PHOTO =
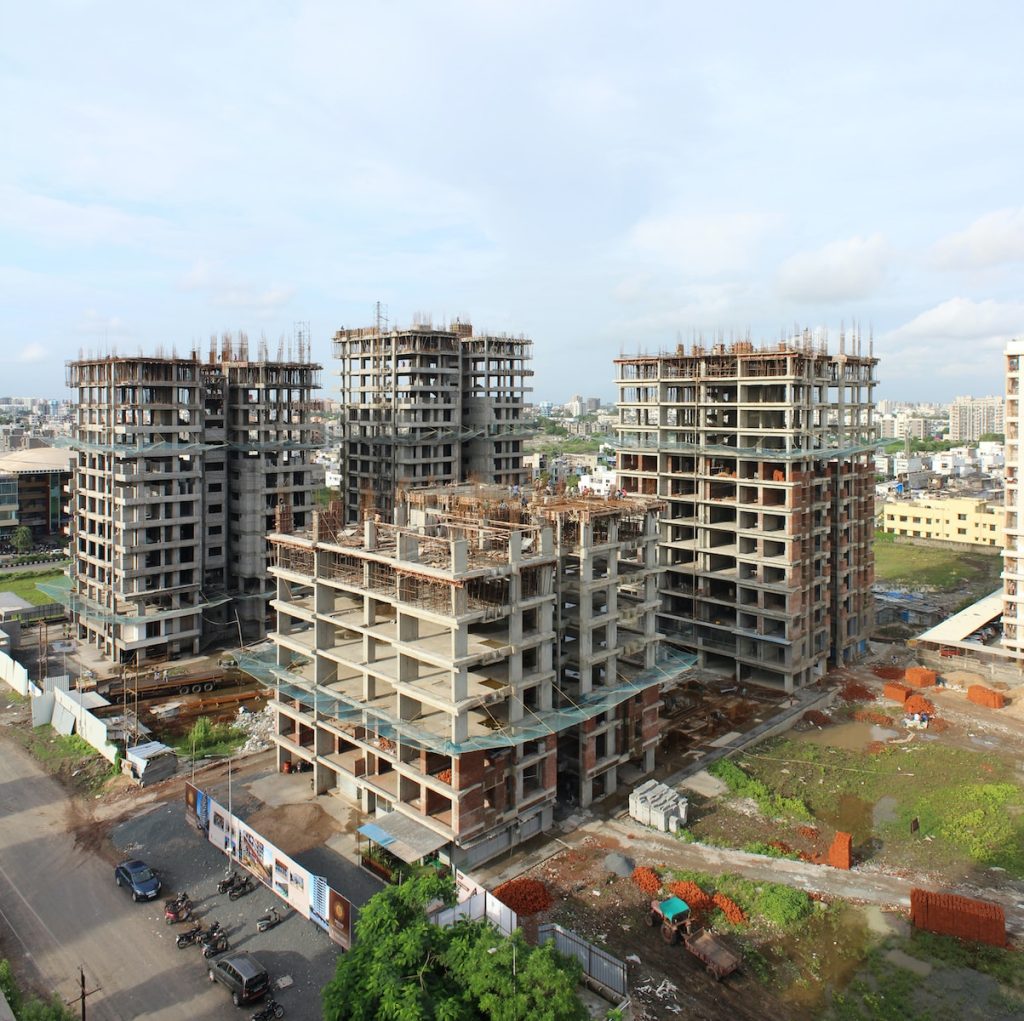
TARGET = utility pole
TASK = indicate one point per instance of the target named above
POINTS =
(83, 992)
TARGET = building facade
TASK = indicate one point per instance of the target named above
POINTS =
(1013, 548)
(32, 482)
(952, 520)
(179, 464)
(970, 418)
(473, 663)
(428, 406)
(764, 458)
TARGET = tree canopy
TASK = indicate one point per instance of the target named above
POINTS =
(402, 967)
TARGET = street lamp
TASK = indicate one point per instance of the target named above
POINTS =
(494, 950)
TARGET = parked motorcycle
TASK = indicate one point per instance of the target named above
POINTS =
(186, 939)
(240, 889)
(271, 1008)
(228, 882)
(215, 944)
(269, 920)
(182, 898)
(175, 912)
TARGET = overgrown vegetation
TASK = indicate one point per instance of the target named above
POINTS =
(931, 567)
(209, 738)
(971, 804)
(884, 990)
(402, 966)
(767, 800)
(30, 1008)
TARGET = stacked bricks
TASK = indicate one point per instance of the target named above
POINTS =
(980, 695)
(896, 691)
(952, 915)
(919, 677)
(840, 854)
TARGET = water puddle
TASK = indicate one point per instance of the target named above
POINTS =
(854, 736)
(852, 815)
(827, 952)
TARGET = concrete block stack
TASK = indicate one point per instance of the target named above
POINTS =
(654, 804)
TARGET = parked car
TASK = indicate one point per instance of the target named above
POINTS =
(138, 877)
(243, 975)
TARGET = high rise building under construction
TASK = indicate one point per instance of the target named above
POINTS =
(427, 406)
(763, 457)
(179, 466)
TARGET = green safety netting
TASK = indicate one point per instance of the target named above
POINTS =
(537, 725)
(60, 592)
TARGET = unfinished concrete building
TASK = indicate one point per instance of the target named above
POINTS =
(1013, 548)
(459, 671)
(763, 457)
(179, 465)
(428, 406)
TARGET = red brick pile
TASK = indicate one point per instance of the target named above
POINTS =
(699, 902)
(896, 691)
(732, 911)
(524, 896)
(919, 677)
(445, 776)
(918, 704)
(807, 832)
(840, 854)
(647, 879)
(980, 695)
(951, 915)
(854, 692)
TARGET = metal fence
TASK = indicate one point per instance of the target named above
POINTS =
(479, 905)
(597, 964)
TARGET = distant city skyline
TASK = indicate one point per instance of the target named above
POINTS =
(604, 181)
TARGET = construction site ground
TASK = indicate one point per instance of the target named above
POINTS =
(855, 956)
(855, 943)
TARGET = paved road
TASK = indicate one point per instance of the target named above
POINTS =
(59, 908)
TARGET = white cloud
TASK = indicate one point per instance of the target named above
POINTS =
(33, 354)
(841, 271)
(94, 324)
(989, 241)
(61, 221)
(225, 290)
(700, 246)
(959, 338)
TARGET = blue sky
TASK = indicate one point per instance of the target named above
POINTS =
(600, 176)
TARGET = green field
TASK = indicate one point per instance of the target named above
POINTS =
(920, 567)
(23, 584)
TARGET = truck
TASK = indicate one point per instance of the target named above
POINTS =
(158, 683)
(677, 924)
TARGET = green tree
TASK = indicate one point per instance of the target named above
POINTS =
(30, 1008)
(404, 968)
(22, 538)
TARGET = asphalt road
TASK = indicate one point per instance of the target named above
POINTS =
(60, 909)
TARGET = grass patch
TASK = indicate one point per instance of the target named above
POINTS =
(769, 850)
(918, 567)
(981, 824)
(23, 584)
(1006, 966)
(70, 757)
(207, 738)
(744, 786)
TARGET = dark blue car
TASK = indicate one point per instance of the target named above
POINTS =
(139, 878)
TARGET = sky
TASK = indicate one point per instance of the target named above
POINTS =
(604, 178)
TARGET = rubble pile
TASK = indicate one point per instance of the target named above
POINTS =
(524, 896)
(258, 728)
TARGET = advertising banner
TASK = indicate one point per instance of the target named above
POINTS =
(340, 919)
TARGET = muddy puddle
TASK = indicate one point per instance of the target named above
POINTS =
(830, 949)
(854, 736)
